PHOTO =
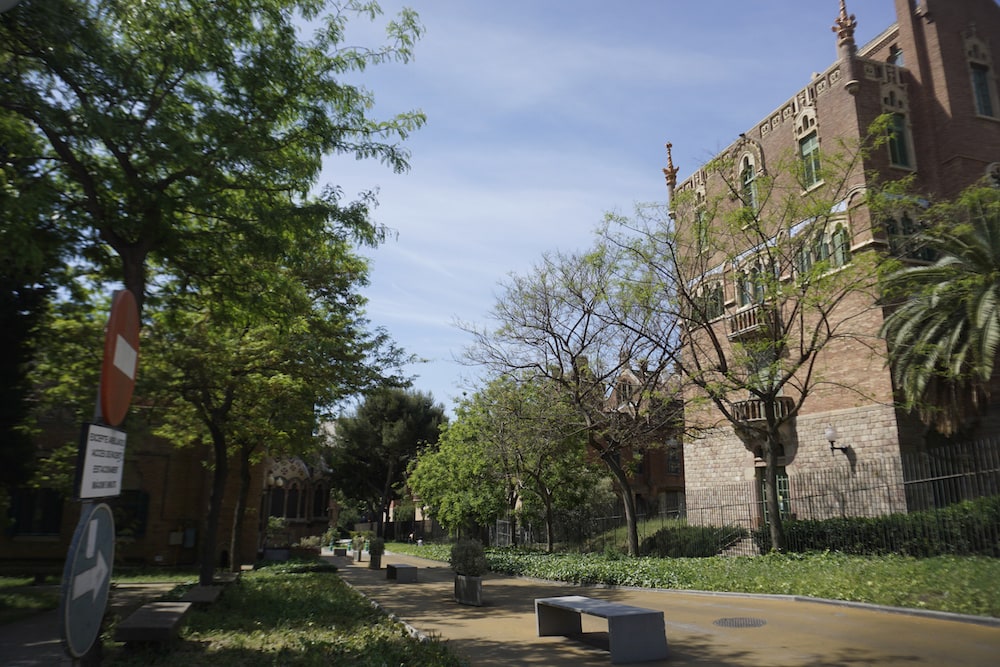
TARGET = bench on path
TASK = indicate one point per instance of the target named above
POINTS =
(340, 551)
(202, 595)
(634, 634)
(404, 574)
(153, 622)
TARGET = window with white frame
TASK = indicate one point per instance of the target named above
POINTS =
(748, 182)
(807, 135)
(982, 75)
(832, 247)
(752, 282)
(895, 102)
(899, 150)
(710, 301)
(809, 152)
(840, 246)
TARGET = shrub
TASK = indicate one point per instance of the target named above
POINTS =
(468, 558)
(968, 528)
(691, 541)
(376, 547)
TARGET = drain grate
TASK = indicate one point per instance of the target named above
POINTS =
(740, 622)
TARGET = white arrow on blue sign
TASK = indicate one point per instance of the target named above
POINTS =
(87, 578)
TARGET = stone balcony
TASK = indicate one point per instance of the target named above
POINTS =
(752, 410)
(751, 321)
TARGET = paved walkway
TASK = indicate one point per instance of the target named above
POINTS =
(35, 641)
(702, 629)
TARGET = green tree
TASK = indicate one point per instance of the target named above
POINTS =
(943, 330)
(374, 446)
(33, 243)
(460, 487)
(251, 373)
(162, 119)
(511, 443)
(574, 323)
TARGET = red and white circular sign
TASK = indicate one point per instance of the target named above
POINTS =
(121, 358)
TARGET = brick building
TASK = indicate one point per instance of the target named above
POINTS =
(160, 514)
(934, 73)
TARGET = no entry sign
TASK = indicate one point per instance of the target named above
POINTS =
(121, 357)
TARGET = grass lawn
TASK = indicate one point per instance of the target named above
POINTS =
(962, 585)
(19, 599)
(288, 615)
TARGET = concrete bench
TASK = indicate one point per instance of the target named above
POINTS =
(340, 551)
(202, 595)
(634, 634)
(404, 574)
(153, 622)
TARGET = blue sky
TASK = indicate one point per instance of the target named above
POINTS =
(543, 115)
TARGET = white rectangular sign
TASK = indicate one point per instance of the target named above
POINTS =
(103, 462)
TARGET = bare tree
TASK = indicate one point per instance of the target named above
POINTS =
(760, 274)
(577, 322)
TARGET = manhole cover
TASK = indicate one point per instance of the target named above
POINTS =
(741, 622)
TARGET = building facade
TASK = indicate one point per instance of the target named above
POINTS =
(932, 78)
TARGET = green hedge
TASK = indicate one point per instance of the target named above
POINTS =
(691, 541)
(969, 528)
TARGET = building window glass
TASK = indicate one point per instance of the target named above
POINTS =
(710, 301)
(899, 152)
(981, 89)
(748, 178)
(131, 510)
(841, 246)
(277, 502)
(35, 512)
(809, 151)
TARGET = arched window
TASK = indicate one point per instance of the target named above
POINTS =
(841, 243)
(293, 509)
(744, 288)
(748, 179)
(277, 502)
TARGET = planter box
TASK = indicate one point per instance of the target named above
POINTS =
(305, 553)
(469, 590)
(339, 551)
(277, 553)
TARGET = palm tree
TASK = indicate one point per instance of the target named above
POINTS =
(944, 333)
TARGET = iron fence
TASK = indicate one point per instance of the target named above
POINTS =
(916, 482)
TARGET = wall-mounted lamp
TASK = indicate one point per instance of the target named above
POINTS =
(275, 481)
(831, 437)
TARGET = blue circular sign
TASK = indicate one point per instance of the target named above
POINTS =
(87, 578)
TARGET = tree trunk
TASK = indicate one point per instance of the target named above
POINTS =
(206, 569)
(775, 527)
(239, 514)
(549, 524)
(629, 501)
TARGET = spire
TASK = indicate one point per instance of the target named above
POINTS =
(844, 27)
(846, 47)
(670, 171)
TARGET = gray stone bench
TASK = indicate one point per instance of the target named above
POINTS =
(634, 634)
(340, 551)
(153, 622)
(404, 574)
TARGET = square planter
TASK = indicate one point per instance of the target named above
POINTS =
(469, 590)
(277, 553)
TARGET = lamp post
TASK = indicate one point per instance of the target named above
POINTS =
(831, 437)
